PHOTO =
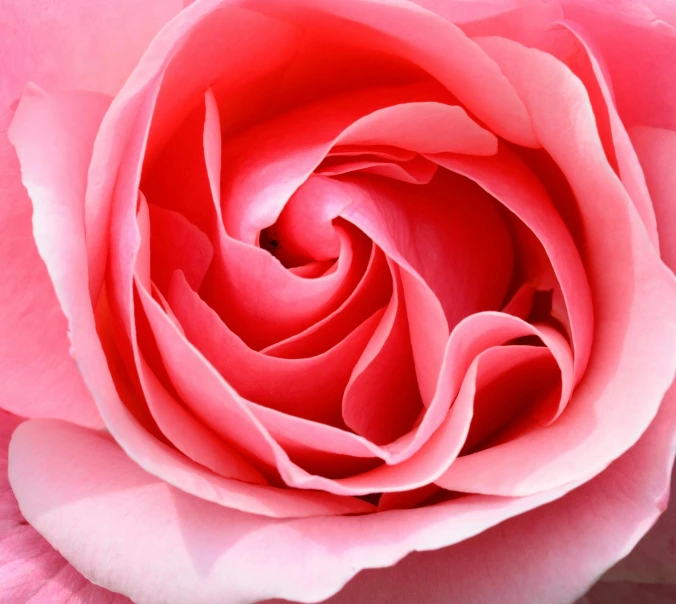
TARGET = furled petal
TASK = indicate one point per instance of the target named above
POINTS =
(633, 356)
(369, 295)
(552, 554)
(382, 399)
(59, 230)
(311, 387)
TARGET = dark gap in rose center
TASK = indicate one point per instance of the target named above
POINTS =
(271, 240)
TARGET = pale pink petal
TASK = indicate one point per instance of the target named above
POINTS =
(552, 554)
(653, 560)
(78, 45)
(598, 82)
(89, 500)
(632, 362)
(636, 46)
(53, 135)
(656, 149)
(31, 570)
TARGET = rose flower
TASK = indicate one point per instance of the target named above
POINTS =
(366, 300)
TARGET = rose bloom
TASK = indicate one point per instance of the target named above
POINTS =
(357, 300)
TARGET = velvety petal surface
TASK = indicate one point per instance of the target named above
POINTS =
(31, 570)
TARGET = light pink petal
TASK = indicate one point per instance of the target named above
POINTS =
(59, 231)
(656, 149)
(551, 554)
(613, 133)
(632, 362)
(636, 46)
(653, 560)
(453, 130)
(89, 500)
(512, 183)
(80, 45)
(53, 135)
(31, 570)
(526, 21)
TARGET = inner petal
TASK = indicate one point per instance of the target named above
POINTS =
(382, 399)
(311, 388)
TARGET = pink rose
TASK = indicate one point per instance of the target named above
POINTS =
(325, 294)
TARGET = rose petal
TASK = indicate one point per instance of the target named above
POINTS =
(382, 400)
(613, 135)
(416, 171)
(176, 244)
(53, 135)
(656, 149)
(552, 554)
(632, 359)
(369, 295)
(434, 44)
(89, 500)
(636, 47)
(30, 569)
(311, 388)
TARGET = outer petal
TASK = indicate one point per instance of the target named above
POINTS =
(54, 160)
(72, 44)
(550, 554)
(31, 570)
(133, 533)
(638, 48)
(656, 149)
